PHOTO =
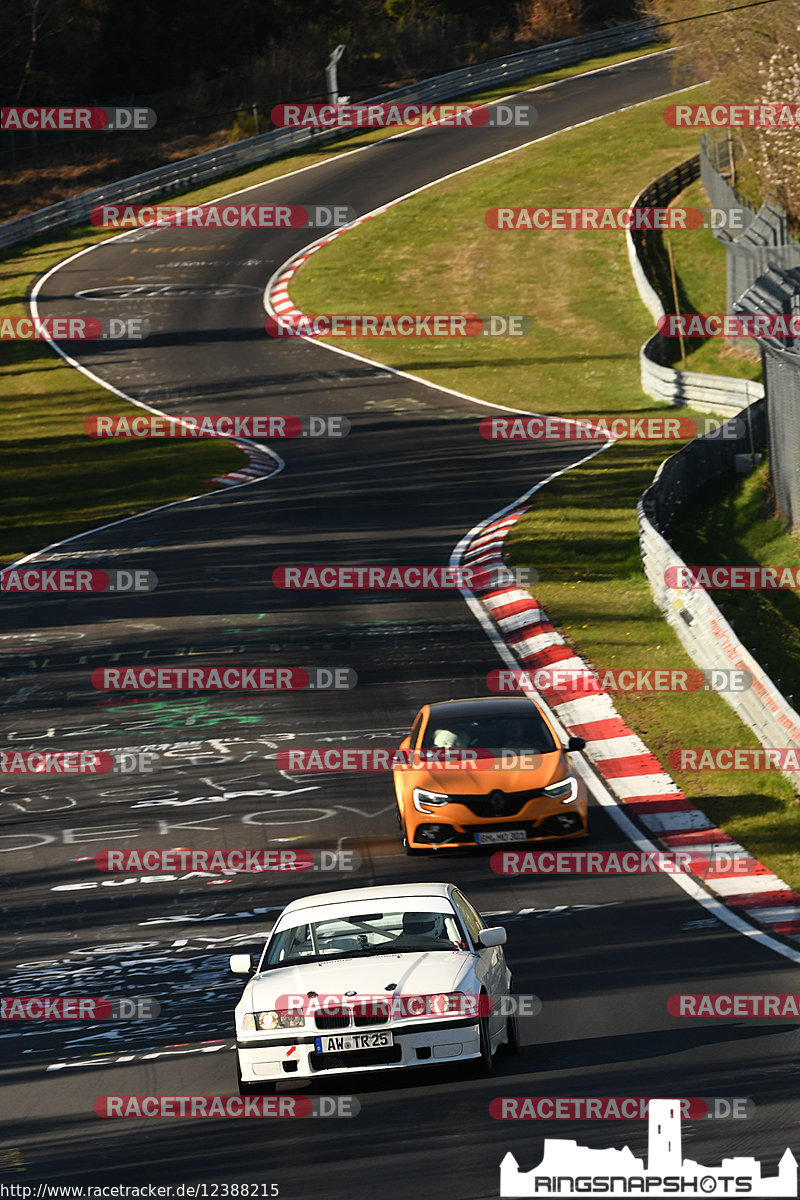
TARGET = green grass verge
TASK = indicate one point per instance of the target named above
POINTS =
(430, 254)
(700, 278)
(59, 482)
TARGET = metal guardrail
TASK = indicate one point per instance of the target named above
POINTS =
(709, 639)
(215, 164)
(700, 461)
(721, 395)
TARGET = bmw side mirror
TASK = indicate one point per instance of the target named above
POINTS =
(242, 964)
(575, 743)
(494, 936)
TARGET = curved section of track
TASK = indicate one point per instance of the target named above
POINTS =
(603, 956)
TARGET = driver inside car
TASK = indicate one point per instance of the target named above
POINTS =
(422, 928)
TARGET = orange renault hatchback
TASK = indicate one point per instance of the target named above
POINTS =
(486, 772)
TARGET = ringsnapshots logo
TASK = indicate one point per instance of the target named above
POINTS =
(145, 425)
(568, 1170)
(405, 325)
(226, 861)
(403, 115)
(604, 218)
(76, 580)
(223, 679)
(222, 216)
(75, 120)
(538, 428)
(74, 329)
(203, 1107)
(572, 681)
(318, 577)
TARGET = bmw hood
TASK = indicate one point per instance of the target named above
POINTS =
(414, 973)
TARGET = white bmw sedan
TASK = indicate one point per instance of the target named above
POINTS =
(372, 979)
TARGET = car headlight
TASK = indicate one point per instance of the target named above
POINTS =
(272, 1019)
(448, 1004)
(422, 797)
(444, 1004)
(565, 790)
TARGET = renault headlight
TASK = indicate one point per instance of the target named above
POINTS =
(423, 797)
(565, 790)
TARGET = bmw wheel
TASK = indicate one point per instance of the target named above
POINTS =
(485, 1062)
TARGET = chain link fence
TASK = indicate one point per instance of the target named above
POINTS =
(777, 291)
(718, 394)
(763, 277)
(764, 240)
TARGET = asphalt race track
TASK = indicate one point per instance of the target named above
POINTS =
(603, 955)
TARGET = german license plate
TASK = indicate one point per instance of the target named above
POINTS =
(501, 835)
(336, 1042)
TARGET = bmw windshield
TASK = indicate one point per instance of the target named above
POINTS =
(363, 936)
